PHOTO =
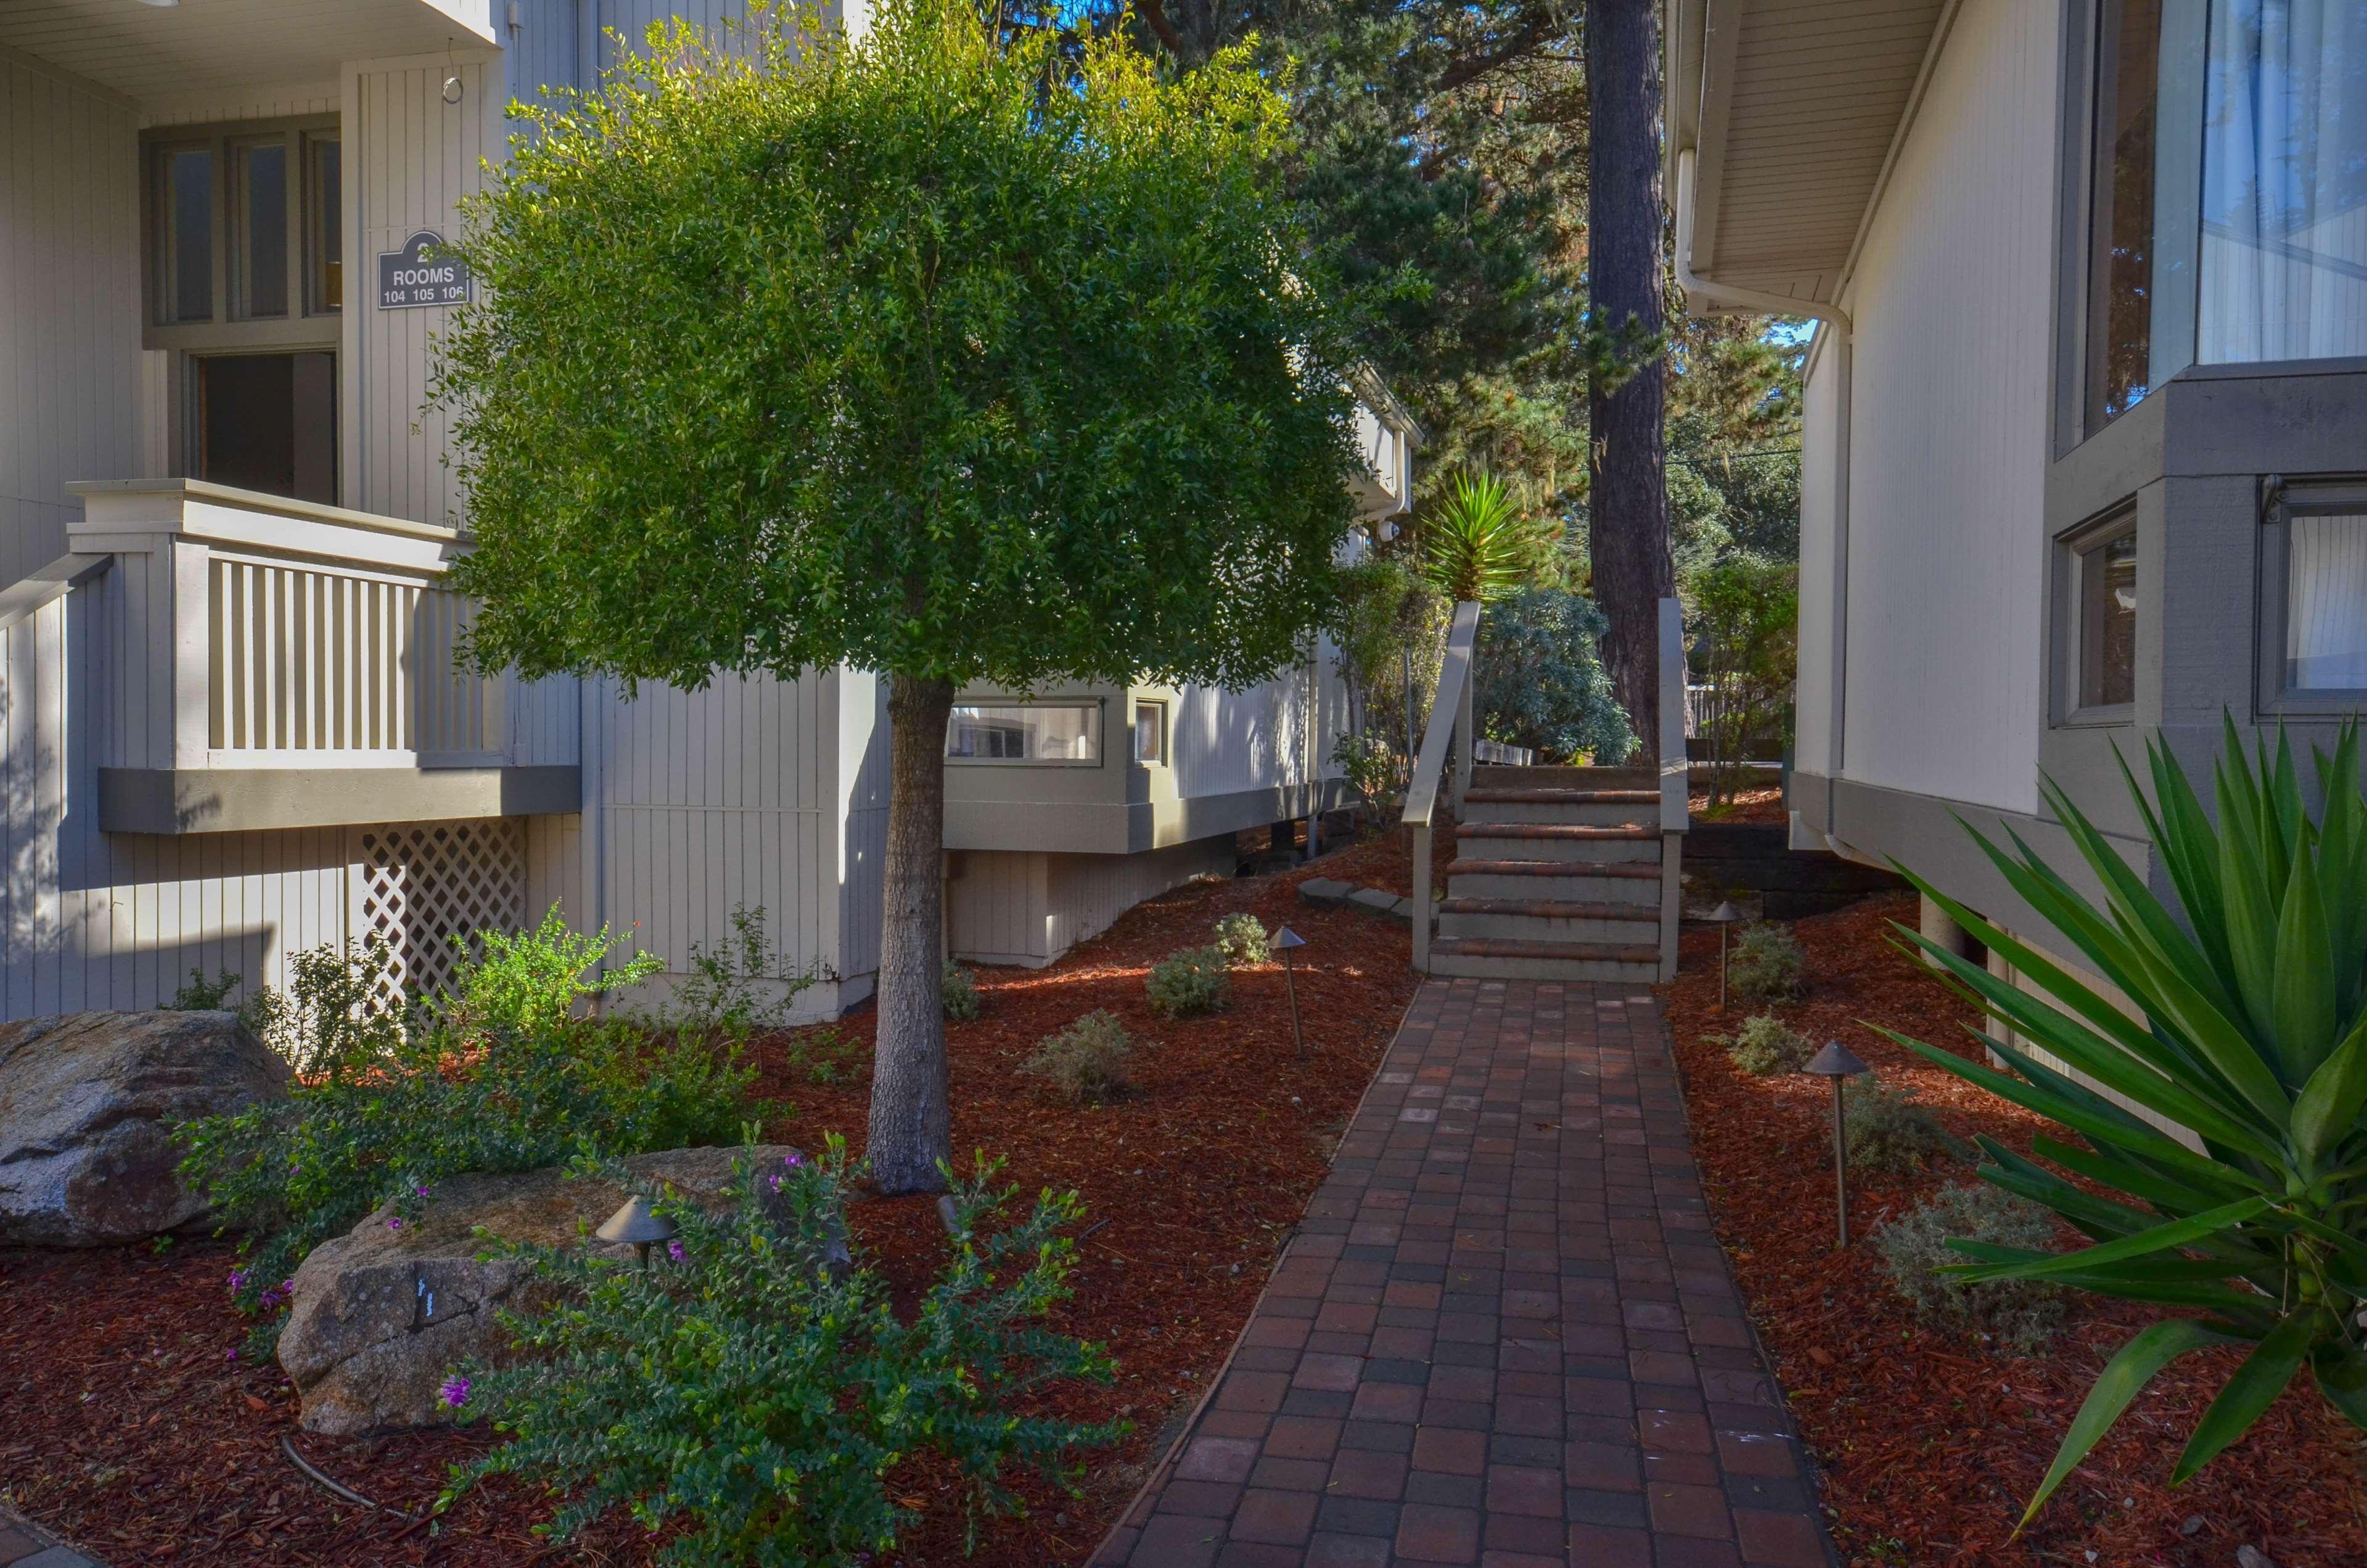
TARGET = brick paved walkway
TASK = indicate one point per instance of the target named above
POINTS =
(1503, 1336)
(23, 1545)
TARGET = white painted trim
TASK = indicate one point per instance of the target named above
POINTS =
(1941, 28)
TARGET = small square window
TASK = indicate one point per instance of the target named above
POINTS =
(1066, 732)
(2107, 577)
(1150, 732)
(2325, 601)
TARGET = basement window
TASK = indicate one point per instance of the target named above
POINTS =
(1059, 734)
(2105, 575)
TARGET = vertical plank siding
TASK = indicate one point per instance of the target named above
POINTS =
(1947, 517)
(70, 303)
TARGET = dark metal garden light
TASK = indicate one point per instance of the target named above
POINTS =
(1282, 942)
(1837, 1062)
(1724, 916)
(638, 1223)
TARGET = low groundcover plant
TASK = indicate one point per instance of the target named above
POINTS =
(752, 1398)
(2253, 992)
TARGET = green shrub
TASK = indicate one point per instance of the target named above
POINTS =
(203, 996)
(961, 991)
(2019, 1316)
(753, 1398)
(1767, 964)
(1085, 1061)
(499, 1074)
(1886, 1131)
(1766, 1044)
(1241, 938)
(824, 1054)
(1188, 983)
(740, 985)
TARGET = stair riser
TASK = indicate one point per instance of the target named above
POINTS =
(1579, 969)
(1475, 844)
(1588, 813)
(1642, 931)
(1575, 888)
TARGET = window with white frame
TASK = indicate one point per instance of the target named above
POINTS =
(1150, 732)
(1066, 734)
(2313, 598)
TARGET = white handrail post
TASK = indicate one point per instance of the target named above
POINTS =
(1421, 898)
(1676, 801)
(1463, 732)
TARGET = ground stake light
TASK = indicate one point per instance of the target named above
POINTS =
(1282, 942)
(638, 1223)
(1724, 916)
(1837, 1062)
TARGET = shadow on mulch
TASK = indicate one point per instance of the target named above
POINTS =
(130, 1430)
(1931, 1443)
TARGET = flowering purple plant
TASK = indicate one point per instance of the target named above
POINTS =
(420, 1191)
(455, 1392)
(674, 1250)
(394, 1223)
(238, 1278)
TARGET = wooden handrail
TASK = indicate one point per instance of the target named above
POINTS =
(1675, 783)
(1450, 723)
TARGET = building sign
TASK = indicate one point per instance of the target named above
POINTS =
(413, 276)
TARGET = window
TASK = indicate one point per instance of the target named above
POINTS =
(324, 246)
(2105, 574)
(1025, 731)
(1151, 731)
(2227, 190)
(2313, 599)
(2127, 105)
(262, 198)
(185, 227)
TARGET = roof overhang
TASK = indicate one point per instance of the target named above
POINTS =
(143, 51)
(1792, 110)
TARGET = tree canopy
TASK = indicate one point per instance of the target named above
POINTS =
(794, 352)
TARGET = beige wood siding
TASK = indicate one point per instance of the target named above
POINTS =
(1820, 445)
(1949, 436)
(70, 303)
(1028, 909)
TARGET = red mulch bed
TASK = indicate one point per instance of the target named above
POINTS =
(1764, 804)
(1930, 1443)
(129, 1431)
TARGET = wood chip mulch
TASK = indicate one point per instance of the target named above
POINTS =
(1930, 1441)
(130, 1430)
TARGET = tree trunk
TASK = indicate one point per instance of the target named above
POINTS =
(912, 1121)
(1628, 510)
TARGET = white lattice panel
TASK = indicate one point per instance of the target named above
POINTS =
(420, 884)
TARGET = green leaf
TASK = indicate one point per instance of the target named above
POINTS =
(2304, 993)
(2328, 1106)
(2159, 1238)
(2123, 1378)
(2341, 1377)
(2252, 1389)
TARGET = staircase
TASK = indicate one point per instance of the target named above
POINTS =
(1557, 875)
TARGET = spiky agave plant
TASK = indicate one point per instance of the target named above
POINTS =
(1477, 546)
(2254, 995)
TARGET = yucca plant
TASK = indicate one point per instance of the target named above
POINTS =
(1476, 545)
(2254, 993)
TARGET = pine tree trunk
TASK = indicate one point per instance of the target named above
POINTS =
(911, 1124)
(1628, 509)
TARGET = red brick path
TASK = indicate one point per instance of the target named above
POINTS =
(1503, 1336)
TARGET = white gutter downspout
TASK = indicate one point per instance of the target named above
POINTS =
(1720, 295)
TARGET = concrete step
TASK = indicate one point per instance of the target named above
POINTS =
(1550, 920)
(1497, 776)
(1616, 882)
(1586, 808)
(1499, 959)
(1558, 841)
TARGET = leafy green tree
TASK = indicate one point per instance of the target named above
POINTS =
(1746, 633)
(952, 360)
(2249, 1031)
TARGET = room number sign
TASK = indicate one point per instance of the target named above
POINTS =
(416, 274)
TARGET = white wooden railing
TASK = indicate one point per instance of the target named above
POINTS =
(250, 631)
(1450, 724)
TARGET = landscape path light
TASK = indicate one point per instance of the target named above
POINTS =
(638, 1223)
(1837, 1062)
(1283, 941)
(1724, 916)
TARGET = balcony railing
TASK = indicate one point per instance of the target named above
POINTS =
(245, 635)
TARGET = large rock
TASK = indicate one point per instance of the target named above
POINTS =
(88, 1102)
(382, 1315)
